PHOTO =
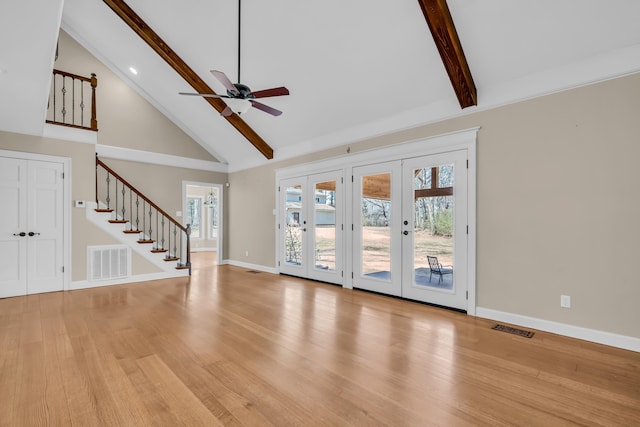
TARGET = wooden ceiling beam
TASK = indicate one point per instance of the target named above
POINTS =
(444, 33)
(147, 34)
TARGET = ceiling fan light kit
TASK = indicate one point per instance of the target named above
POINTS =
(239, 97)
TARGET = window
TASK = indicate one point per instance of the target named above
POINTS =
(194, 216)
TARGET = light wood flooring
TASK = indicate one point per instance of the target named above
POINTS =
(231, 347)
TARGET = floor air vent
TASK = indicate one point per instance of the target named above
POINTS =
(108, 262)
(514, 331)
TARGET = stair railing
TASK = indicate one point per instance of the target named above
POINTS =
(142, 216)
(68, 98)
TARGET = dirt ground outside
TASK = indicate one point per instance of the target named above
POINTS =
(376, 247)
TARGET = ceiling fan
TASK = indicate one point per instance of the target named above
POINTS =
(238, 91)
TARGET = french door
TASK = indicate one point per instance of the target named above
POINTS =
(31, 226)
(410, 221)
(311, 227)
(377, 213)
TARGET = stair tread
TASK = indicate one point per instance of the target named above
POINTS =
(132, 231)
(118, 221)
(171, 259)
(182, 267)
(104, 210)
(146, 241)
(158, 251)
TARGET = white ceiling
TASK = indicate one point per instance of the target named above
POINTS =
(355, 69)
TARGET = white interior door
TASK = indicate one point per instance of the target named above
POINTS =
(376, 228)
(32, 226)
(13, 227)
(45, 227)
(435, 227)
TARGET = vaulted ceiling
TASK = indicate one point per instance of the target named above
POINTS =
(355, 69)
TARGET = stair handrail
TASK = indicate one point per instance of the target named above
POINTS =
(93, 82)
(186, 230)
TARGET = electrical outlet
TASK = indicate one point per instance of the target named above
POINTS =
(246, 253)
(565, 301)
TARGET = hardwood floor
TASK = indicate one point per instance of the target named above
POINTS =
(231, 347)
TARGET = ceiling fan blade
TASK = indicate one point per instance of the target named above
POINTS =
(222, 78)
(204, 95)
(265, 108)
(276, 91)
(226, 112)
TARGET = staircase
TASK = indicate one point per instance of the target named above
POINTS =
(133, 219)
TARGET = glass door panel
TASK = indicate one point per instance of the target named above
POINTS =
(326, 227)
(434, 245)
(376, 213)
(293, 227)
(311, 227)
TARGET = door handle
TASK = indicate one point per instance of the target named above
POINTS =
(22, 234)
(405, 232)
(31, 233)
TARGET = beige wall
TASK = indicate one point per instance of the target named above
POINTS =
(83, 232)
(125, 119)
(557, 209)
(163, 184)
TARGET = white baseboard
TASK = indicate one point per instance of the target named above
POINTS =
(250, 266)
(593, 335)
(85, 284)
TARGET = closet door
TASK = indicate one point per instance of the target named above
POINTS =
(45, 227)
(13, 227)
(31, 227)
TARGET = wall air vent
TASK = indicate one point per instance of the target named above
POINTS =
(108, 262)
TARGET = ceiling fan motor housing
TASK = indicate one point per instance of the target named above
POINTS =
(243, 92)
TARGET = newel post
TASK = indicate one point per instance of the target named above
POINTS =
(94, 84)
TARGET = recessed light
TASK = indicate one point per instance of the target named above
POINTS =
(133, 71)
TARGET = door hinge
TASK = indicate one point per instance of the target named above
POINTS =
(467, 229)
(467, 294)
(278, 226)
(62, 175)
(342, 227)
(63, 268)
(341, 180)
(278, 188)
(351, 227)
(467, 163)
(278, 263)
(351, 178)
(352, 274)
(342, 273)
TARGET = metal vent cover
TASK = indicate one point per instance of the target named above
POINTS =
(108, 262)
